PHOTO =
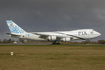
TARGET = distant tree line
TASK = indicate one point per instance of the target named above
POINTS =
(86, 42)
(7, 41)
(10, 41)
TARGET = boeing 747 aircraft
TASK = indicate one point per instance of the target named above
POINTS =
(54, 37)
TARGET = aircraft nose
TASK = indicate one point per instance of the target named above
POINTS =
(98, 33)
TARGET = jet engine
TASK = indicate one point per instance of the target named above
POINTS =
(66, 39)
(51, 38)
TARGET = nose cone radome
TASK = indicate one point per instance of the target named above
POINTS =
(98, 34)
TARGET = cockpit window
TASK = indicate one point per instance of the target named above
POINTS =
(91, 32)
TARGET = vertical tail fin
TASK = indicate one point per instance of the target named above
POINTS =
(14, 28)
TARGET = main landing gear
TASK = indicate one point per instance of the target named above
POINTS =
(56, 43)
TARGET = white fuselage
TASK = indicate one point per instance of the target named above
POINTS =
(82, 34)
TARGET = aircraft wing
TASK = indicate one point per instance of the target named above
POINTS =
(77, 37)
(44, 36)
(74, 36)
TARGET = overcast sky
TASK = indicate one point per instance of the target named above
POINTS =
(53, 15)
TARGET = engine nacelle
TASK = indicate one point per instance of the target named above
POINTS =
(66, 39)
(51, 38)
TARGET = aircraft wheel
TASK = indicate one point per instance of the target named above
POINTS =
(54, 43)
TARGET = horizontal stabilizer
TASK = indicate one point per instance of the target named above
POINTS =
(13, 34)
